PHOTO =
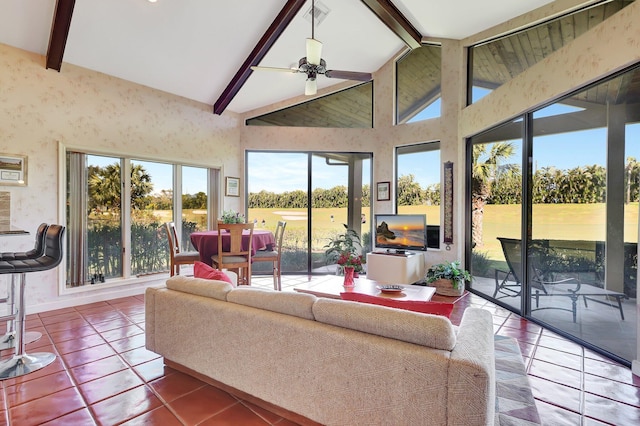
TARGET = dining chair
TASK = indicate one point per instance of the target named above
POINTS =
(178, 257)
(235, 257)
(274, 256)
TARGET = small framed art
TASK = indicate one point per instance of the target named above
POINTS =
(232, 187)
(383, 191)
(13, 169)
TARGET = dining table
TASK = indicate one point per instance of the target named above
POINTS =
(206, 242)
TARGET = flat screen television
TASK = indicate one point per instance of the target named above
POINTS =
(401, 232)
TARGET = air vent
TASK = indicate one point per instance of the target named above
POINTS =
(321, 12)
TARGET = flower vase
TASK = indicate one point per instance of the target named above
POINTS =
(348, 276)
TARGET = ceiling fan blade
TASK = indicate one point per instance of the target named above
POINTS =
(291, 70)
(349, 75)
(311, 87)
(314, 51)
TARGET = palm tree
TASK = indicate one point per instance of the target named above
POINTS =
(483, 173)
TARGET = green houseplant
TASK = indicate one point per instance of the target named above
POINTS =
(229, 216)
(345, 250)
(448, 278)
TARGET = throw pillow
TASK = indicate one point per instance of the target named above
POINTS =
(426, 307)
(202, 270)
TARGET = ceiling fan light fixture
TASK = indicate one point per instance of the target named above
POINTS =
(311, 87)
(314, 51)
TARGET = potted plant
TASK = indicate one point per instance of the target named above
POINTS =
(345, 250)
(448, 278)
(229, 216)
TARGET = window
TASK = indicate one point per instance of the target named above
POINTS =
(418, 82)
(418, 185)
(116, 209)
(497, 61)
(349, 108)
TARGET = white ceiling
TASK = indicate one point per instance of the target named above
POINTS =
(193, 48)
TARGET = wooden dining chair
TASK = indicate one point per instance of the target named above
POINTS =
(234, 258)
(178, 257)
(274, 256)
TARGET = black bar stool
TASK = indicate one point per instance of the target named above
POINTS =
(8, 339)
(22, 363)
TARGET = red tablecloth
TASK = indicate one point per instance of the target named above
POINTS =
(206, 242)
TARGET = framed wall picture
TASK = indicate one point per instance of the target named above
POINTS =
(232, 187)
(383, 191)
(13, 169)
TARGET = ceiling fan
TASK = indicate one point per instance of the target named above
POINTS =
(313, 64)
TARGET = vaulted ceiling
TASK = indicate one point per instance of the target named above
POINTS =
(198, 48)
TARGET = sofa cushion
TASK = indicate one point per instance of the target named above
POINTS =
(425, 307)
(290, 303)
(199, 286)
(202, 270)
(427, 330)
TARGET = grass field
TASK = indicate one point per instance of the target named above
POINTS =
(550, 221)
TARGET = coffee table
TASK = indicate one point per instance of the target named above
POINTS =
(331, 287)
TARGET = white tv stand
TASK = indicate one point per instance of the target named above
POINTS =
(392, 268)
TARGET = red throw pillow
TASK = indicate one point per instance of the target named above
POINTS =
(202, 270)
(426, 307)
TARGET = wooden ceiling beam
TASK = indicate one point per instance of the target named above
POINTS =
(269, 38)
(59, 33)
(396, 21)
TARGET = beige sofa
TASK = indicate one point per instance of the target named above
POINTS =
(334, 362)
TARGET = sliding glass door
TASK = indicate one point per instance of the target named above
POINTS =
(317, 194)
(567, 253)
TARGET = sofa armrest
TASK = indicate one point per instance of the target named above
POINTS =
(472, 390)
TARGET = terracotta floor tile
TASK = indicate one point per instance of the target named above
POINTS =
(175, 385)
(110, 385)
(63, 335)
(160, 416)
(237, 414)
(79, 343)
(121, 321)
(556, 373)
(100, 317)
(609, 411)
(133, 342)
(201, 404)
(81, 417)
(610, 371)
(37, 388)
(153, 370)
(97, 369)
(125, 406)
(121, 333)
(42, 410)
(55, 312)
(553, 415)
(66, 325)
(93, 353)
(610, 389)
(138, 356)
(556, 394)
(65, 317)
(561, 344)
(558, 357)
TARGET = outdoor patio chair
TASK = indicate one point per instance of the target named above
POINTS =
(274, 256)
(509, 282)
(178, 257)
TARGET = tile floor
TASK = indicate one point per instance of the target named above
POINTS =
(104, 375)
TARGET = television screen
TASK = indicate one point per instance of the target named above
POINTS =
(401, 231)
